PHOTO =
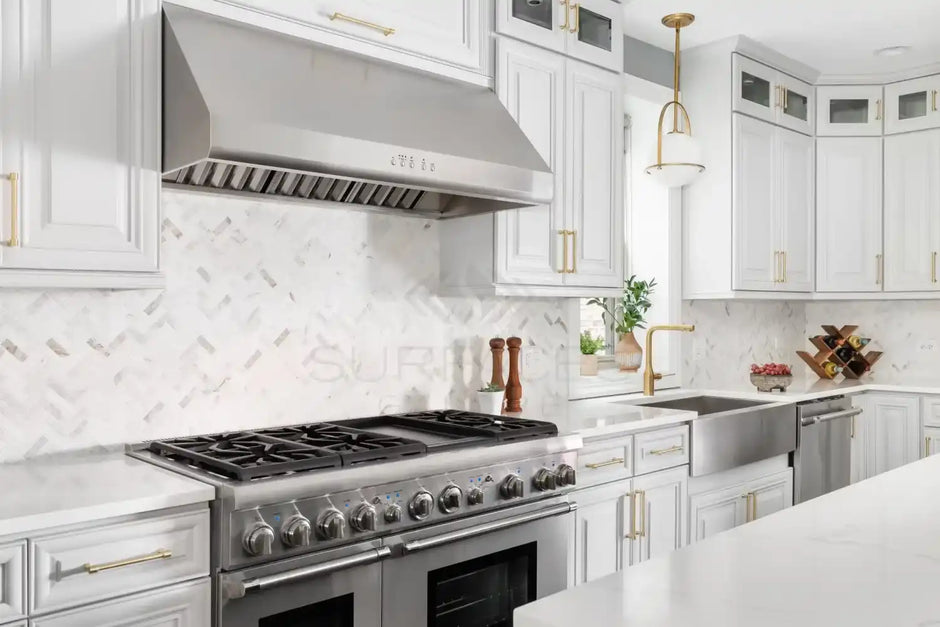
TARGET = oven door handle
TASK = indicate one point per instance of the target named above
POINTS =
(837, 415)
(237, 589)
(462, 534)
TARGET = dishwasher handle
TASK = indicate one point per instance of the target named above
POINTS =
(836, 415)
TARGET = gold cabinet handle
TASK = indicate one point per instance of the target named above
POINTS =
(159, 554)
(567, 22)
(933, 267)
(933, 100)
(641, 532)
(879, 269)
(668, 451)
(610, 462)
(777, 267)
(777, 96)
(927, 446)
(784, 253)
(633, 500)
(564, 252)
(786, 97)
(577, 20)
(750, 512)
(385, 30)
(878, 113)
(14, 179)
(574, 252)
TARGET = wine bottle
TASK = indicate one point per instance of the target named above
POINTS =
(831, 341)
(845, 354)
(857, 342)
(831, 369)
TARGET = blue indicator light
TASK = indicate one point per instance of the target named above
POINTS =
(398, 495)
(479, 478)
(347, 504)
(388, 497)
(277, 518)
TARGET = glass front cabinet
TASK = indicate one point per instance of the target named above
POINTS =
(849, 110)
(912, 105)
(765, 93)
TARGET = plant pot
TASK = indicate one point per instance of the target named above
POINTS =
(588, 365)
(628, 354)
(491, 402)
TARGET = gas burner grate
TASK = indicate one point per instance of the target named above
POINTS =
(501, 428)
(245, 455)
(354, 446)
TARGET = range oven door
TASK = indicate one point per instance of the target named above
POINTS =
(337, 588)
(474, 573)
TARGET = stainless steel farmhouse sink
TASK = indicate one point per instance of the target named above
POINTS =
(732, 432)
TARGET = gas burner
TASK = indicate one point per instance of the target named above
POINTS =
(354, 446)
(503, 429)
(245, 455)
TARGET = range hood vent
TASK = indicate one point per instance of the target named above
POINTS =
(249, 111)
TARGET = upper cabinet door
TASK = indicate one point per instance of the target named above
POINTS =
(596, 33)
(912, 105)
(81, 128)
(755, 89)
(849, 110)
(530, 83)
(756, 254)
(848, 214)
(594, 139)
(911, 220)
(797, 108)
(543, 23)
(796, 207)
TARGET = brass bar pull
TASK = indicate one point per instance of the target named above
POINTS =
(753, 506)
(668, 451)
(632, 534)
(933, 100)
(749, 497)
(159, 554)
(786, 98)
(879, 269)
(933, 267)
(927, 446)
(610, 462)
(878, 113)
(641, 532)
(385, 30)
(567, 22)
(784, 253)
(574, 252)
(14, 179)
(564, 252)
(776, 95)
(577, 22)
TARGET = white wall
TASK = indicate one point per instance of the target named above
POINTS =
(273, 313)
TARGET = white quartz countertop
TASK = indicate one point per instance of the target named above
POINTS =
(65, 490)
(866, 555)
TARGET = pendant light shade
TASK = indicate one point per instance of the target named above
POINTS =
(678, 158)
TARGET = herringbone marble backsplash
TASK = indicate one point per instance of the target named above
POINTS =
(273, 313)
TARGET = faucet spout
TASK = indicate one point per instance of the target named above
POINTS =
(649, 376)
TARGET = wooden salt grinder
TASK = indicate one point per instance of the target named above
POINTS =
(513, 384)
(497, 344)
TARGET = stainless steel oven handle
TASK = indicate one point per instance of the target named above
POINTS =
(836, 415)
(238, 589)
(463, 534)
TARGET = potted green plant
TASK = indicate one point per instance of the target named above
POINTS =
(490, 398)
(589, 347)
(627, 314)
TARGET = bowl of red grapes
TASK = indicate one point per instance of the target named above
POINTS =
(771, 376)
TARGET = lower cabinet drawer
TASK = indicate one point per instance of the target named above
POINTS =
(12, 581)
(79, 567)
(187, 605)
(664, 448)
(599, 462)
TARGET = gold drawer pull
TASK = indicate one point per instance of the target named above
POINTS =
(878, 113)
(610, 462)
(641, 532)
(564, 252)
(577, 21)
(14, 179)
(567, 23)
(385, 30)
(159, 554)
(933, 100)
(574, 252)
(668, 451)
(750, 514)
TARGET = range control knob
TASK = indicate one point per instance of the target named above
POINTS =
(331, 525)
(296, 531)
(565, 476)
(544, 480)
(450, 498)
(421, 505)
(475, 496)
(512, 487)
(392, 514)
(363, 518)
(259, 539)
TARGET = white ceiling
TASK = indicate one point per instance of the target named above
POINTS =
(832, 36)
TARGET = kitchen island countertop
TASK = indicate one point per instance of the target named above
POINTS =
(865, 555)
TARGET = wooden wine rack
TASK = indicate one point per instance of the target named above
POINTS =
(824, 354)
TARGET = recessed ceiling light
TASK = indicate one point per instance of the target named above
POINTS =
(892, 51)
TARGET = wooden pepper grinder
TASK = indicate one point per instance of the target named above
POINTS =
(513, 384)
(497, 344)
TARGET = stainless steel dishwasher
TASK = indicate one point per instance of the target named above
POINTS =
(823, 461)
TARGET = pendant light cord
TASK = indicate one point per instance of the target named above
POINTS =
(675, 83)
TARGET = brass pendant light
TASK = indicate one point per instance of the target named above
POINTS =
(678, 154)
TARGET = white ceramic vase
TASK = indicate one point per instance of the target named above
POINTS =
(491, 402)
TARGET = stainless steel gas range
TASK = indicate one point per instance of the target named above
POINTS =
(438, 518)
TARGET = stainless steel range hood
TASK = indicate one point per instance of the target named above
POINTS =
(249, 111)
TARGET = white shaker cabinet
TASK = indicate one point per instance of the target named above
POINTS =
(848, 214)
(860, 432)
(599, 537)
(912, 105)
(795, 200)
(12, 581)
(911, 214)
(80, 129)
(725, 507)
(771, 95)
(894, 431)
(849, 110)
(659, 500)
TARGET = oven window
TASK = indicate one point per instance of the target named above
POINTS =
(335, 612)
(482, 592)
